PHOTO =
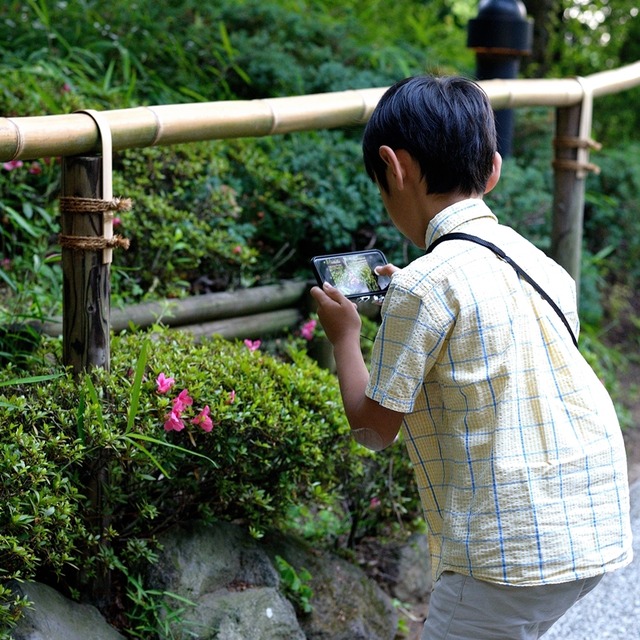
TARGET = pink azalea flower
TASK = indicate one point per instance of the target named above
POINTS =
(203, 420)
(252, 345)
(164, 383)
(35, 168)
(117, 222)
(232, 397)
(307, 329)
(12, 164)
(183, 400)
(237, 249)
(374, 504)
(174, 422)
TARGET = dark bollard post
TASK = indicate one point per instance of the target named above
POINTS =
(500, 36)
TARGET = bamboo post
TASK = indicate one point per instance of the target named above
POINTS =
(86, 278)
(571, 165)
(85, 320)
(568, 197)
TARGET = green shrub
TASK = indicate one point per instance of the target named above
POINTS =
(278, 431)
(303, 50)
(218, 216)
(523, 200)
(80, 55)
(91, 476)
(30, 274)
(302, 204)
(184, 228)
(41, 524)
(275, 425)
(611, 223)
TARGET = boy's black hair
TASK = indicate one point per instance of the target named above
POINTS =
(446, 124)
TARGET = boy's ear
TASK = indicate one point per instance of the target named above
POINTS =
(390, 158)
(495, 173)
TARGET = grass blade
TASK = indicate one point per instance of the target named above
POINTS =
(137, 385)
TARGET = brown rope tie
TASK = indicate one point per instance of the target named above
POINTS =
(88, 206)
(575, 165)
(92, 243)
(91, 205)
(569, 142)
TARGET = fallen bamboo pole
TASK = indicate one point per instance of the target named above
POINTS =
(258, 325)
(30, 138)
(227, 308)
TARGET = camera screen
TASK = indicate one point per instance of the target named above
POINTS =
(353, 273)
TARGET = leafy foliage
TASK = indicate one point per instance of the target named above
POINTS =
(295, 585)
(28, 271)
(610, 220)
(303, 206)
(185, 232)
(91, 477)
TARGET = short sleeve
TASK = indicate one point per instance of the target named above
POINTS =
(405, 350)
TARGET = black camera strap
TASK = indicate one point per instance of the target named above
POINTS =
(520, 271)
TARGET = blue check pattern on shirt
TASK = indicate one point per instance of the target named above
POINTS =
(515, 443)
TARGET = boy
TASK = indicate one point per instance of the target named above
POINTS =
(515, 444)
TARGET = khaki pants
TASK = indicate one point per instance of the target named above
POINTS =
(463, 608)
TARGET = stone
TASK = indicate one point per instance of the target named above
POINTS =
(347, 605)
(230, 580)
(408, 567)
(260, 613)
(54, 617)
(222, 584)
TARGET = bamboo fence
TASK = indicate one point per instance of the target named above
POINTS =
(30, 138)
(86, 140)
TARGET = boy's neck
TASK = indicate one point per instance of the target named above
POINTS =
(437, 202)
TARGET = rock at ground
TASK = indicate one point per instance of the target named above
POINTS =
(230, 582)
(219, 583)
(54, 617)
(237, 592)
(347, 605)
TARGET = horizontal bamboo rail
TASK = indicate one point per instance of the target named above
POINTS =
(233, 314)
(30, 138)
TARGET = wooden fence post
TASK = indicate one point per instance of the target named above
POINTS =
(86, 279)
(568, 197)
(571, 165)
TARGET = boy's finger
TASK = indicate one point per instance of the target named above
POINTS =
(318, 294)
(334, 293)
(387, 269)
(325, 295)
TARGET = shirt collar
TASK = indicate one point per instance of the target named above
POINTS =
(455, 216)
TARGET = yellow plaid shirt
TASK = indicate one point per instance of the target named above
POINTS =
(515, 443)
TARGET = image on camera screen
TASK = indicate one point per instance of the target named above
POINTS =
(352, 276)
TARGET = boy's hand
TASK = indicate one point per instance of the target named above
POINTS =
(338, 315)
(387, 269)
